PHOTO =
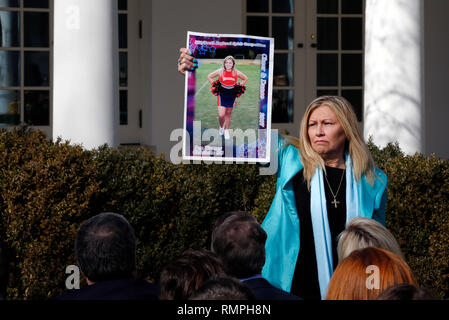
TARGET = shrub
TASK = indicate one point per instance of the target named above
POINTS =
(417, 213)
(47, 190)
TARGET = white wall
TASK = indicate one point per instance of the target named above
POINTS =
(164, 86)
(437, 77)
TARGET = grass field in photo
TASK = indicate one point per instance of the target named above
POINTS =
(246, 113)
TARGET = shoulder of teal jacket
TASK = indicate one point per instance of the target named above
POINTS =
(381, 177)
(371, 194)
(381, 180)
(289, 162)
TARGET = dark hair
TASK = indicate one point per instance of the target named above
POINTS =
(4, 270)
(183, 276)
(226, 215)
(105, 247)
(406, 291)
(239, 241)
(223, 288)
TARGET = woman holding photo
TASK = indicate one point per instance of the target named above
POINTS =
(325, 178)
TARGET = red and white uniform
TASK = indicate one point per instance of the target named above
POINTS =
(227, 97)
(228, 80)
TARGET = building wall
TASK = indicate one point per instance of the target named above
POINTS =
(164, 86)
(436, 54)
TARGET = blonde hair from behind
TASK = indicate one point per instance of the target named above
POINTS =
(364, 232)
(362, 161)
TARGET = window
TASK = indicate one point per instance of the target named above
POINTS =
(319, 50)
(340, 50)
(275, 18)
(25, 62)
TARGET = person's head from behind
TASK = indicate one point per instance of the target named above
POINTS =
(362, 233)
(105, 247)
(406, 291)
(239, 241)
(223, 288)
(183, 276)
(328, 129)
(367, 272)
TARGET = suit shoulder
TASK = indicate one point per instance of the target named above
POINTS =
(264, 290)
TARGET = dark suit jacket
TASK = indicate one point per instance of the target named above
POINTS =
(123, 289)
(263, 290)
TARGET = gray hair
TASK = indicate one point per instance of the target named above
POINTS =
(361, 233)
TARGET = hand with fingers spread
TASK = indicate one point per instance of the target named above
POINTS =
(186, 61)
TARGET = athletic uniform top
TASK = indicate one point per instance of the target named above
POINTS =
(228, 80)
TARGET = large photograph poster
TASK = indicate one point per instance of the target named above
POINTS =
(227, 111)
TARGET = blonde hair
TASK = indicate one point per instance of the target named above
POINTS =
(364, 232)
(233, 67)
(362, 161)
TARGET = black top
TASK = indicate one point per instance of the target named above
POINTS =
(305, 280)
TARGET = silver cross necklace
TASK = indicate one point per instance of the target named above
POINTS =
(335, 202)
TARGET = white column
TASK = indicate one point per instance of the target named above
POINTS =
(394, 100)
(86, 72)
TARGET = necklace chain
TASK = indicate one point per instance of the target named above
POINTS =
(335, 202)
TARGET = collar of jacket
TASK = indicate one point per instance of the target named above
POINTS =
(289, 168)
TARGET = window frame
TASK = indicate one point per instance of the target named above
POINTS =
(22, 49)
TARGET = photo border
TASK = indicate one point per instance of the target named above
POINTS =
(265, 105)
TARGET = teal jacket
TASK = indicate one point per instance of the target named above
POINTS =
(282, 222)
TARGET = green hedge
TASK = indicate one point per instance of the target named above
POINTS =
(49, 188)
(418, 212)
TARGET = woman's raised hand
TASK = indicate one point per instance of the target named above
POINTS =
(186, 62)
